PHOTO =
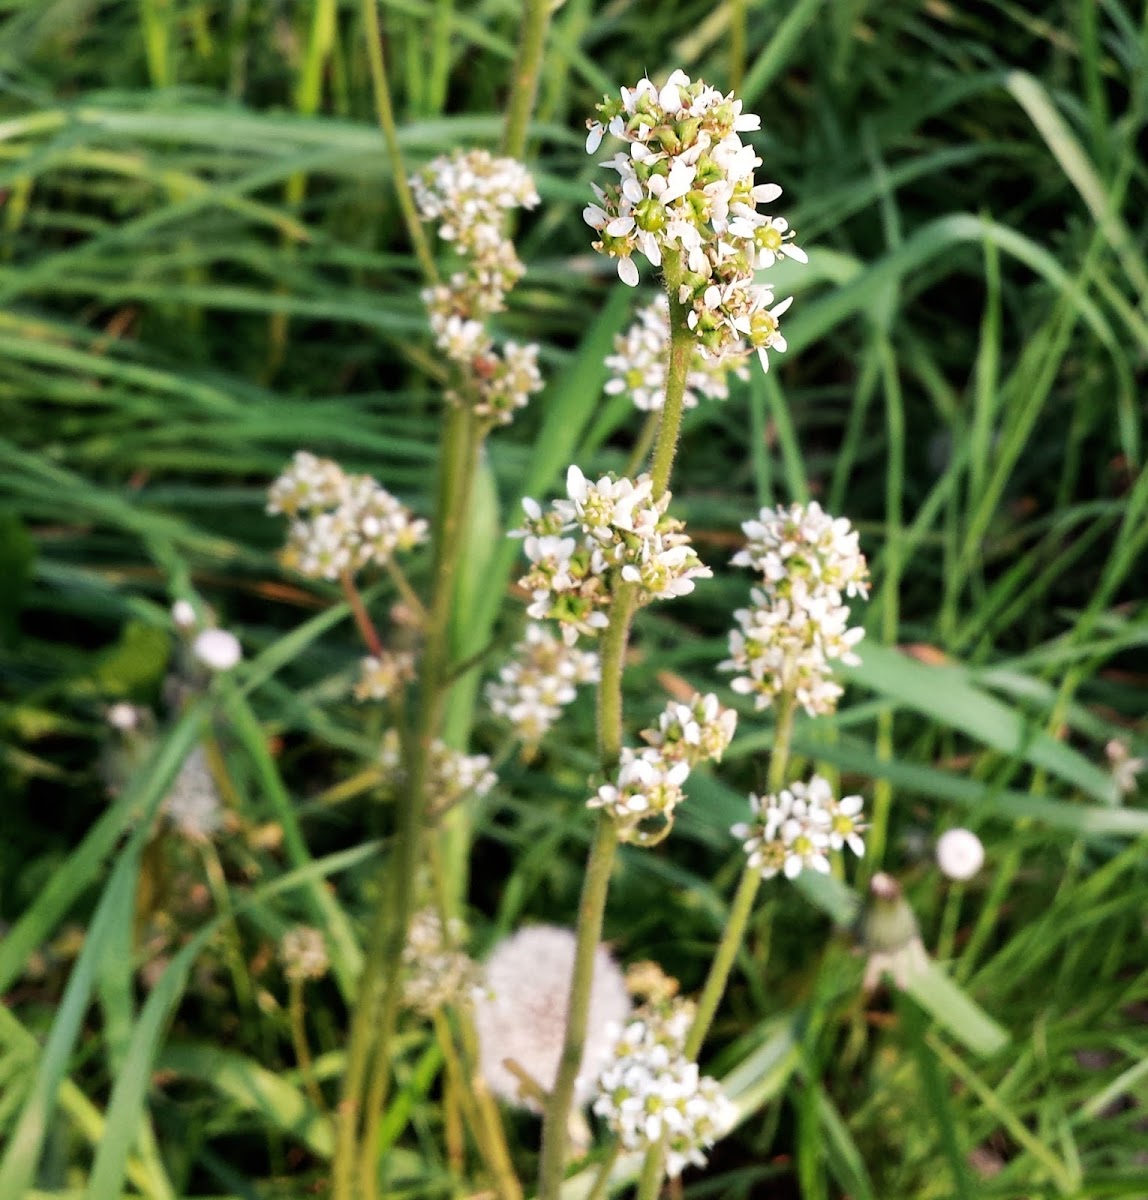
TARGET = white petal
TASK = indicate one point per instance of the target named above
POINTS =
(628, 271)
(594, 137)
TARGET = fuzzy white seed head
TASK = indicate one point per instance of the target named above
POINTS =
(217, 649)
(303, 953)
(960, 853)
(123, 716)
(520, 1013)
(183, 615)
(193, 806)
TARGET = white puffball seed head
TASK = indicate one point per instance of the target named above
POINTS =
(183, 614)
(960, 854)
(217, 649)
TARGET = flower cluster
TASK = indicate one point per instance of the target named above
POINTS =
(798, 622)
(648, 786)
(468, 195)
(451, 775)
(796, 829)
(520, 1014)
(193, 805)
(693, 732)
(650, 1094)
(604, 534)
(384, 674)
(437, 973)
(339, 522)
(640, 363)
(686, 190)
(303, 953)
(539, 681)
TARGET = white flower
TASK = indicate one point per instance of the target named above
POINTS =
(1125, 769)
(123, 716)
(382, 676)
(303, 953)
(960, 853)
(793, 830)
(520, 1013)
(539, 681)
(217, 649)
(649, 1094)
(642, 799)
(437, 973)
(451, 774)
(686, 188)
(693, 732)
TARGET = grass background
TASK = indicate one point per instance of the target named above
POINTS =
(202, 269)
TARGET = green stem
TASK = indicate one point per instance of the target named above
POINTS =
(386, 114)
(731, 939)
(377, 1006)
(681, 353)
(601, 1188)
(299, 1041)
(527, 66)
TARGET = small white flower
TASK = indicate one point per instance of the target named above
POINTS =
(693, 732)
(644, 794)
(303, 953)
(217, 649)
(123, 716)
(437, 972)
(385, 675)
(1125, 769)
(960, 853)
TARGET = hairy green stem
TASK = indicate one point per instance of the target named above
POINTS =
(296, 1013)
(527, 66)
(386, 114)
(592, 906)
(377, 1006)
(731, 940)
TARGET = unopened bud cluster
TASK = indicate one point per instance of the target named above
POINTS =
(603, 535)
(686, 189)
(451, 775)
(437, 972)
(798, 623)
(640, 364)
(796, 829)
(468, 196)
(651, 1095)
(340, 523)
(648, 785)
(193, 805)
(541, 678)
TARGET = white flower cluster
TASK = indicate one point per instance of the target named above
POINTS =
(686, 188)
(798, 622)
(451, 775)
(193, 805)
(437, 972)
(640, 364)
(651, 1095)
(340, 523)
(303, 953)
(648, 785)
(693, 732)
(469, 194)
(604, 534)
(384, 675)
(539, 681)
(796, 829)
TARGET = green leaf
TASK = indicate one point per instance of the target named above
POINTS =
(17, 551)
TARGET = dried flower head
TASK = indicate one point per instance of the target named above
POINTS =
(340, 522)
(539, 681)
(437, 971)
(303, 953)
(521, 1013)
(193, 805)
(794, 830)
(686, 190)
(640, 364)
